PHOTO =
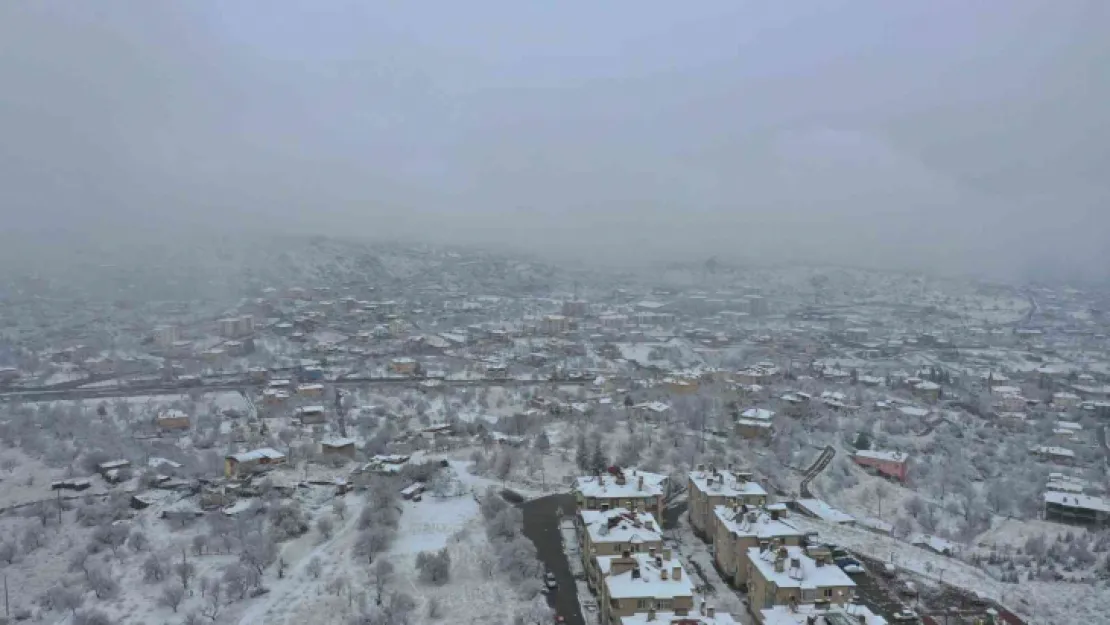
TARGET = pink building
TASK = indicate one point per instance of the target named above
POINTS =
(888, 463)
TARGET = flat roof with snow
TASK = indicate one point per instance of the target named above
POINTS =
(670, 618)
(1073, 500)
(824, 511)
(725, 484)
(257, 454)
(754, 523)
(852, 614)
(606, 486)
(650, 581)
(806, 575)
(621, 526)
(759, 414)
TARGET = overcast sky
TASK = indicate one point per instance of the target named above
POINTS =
(952, 135)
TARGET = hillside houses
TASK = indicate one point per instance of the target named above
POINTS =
(711, 488)
(632, 490)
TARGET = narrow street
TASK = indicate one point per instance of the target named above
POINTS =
(541, 526)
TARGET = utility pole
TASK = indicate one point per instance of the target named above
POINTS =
(7, 607)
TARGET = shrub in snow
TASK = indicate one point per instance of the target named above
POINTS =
(434, 566)
(287, 521)
(92, 617)
(153, 569)
(172, 596)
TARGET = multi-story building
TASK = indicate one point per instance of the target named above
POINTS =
(788, 576)
(703, 615)
(634, 583)
(711, 488)
(853, 614)
(740, 528)
(613, 532)
(1064, 507)
(633, 490)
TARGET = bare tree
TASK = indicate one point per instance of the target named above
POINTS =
(381, 574)
(138, 541)
(79, 561)
(259, 551)
(185, 571)
(153, 569)
(8, 551)
(433, 608)
(33, 538)
(326, 527)
(200, 544)
(102, 583)
(66, 598)
(213, 600)
(172, 596)
(339, 508)
(315, 567)
(434, 566)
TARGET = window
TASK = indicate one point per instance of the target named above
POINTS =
(664, 604)
(828, 593)
(643, 604)
(809, 595)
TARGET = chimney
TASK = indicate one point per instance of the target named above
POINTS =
(636, 573)
(663, 574)
(676, 573)
(666, 553)
(640, 484)
(711, 612)
(651, 552)
(780, 565)
(795, 563)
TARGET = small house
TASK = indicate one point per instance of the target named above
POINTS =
(892, 464)
(250, 461)
(338, 447)
(172, 419)
(310, 415)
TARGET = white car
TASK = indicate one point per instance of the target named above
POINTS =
(549, 581)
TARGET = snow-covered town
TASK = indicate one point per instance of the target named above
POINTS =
(554, 313)
(419, 435)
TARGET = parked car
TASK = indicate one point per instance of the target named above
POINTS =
(909, 589)
(905, 615)
(549, 581)
(851, 566)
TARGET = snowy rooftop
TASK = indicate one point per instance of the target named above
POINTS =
(607, 485)
(337, 442)
(725, 484)
(257, 454)
(799, 615)
(824, 511)
(911, 411)
(654, 406)
(652, 577)
(756, 523)
(1052, 451)
(885, 456)
(621, 526)
(1073, 500)
(670, 618)
(761, 414)
(799, 570)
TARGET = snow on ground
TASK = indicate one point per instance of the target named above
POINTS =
(29, 479)
(1047, 602)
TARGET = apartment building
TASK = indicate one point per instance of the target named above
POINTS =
(703, 615)
(632, 490)
(709, 488)
(635, 583)
(852, 614)
(740, 528)
(788, 576)
(613, 532)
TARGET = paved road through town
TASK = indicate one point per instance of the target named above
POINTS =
(541, 526)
